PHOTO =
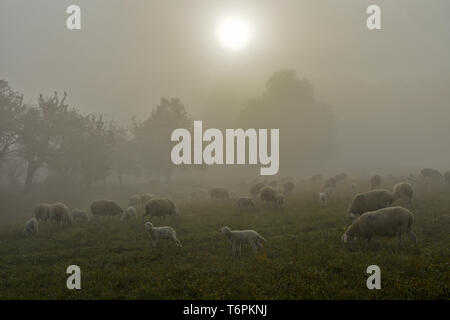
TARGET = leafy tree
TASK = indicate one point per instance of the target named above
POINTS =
(11, 112)
(306, 125)
(152, 136)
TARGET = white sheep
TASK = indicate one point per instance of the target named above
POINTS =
(368, 201)
(323, 199)
(77, 214)
(129, 214)
(403, 191)
(387, 222)
(31, 227)
(238, 237)
(157, 233)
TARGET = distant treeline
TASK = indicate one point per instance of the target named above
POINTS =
(52, 137)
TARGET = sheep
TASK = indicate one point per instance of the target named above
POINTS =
(269, 195)
(42, 211)
(287, 187)
(160, 208)
(157, 233)
(237, 238)
(105, 208)
(431, 173)
(323, 199)
(31, 227)
(256, 188)
(135, 201)
(129, 214)
(387, 222)
(403, 191)
(340, 177)
(329, 183)
(280, 200)
(245, 202)
(368, 201)
(60, 213)
(78, 214)
(219, 193)
(375, 182)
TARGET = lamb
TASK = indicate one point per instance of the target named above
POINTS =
(129, 214)
(237, 238)
(403, 191)
(105, 208)
(387, 222)
(42, 211)
(157, 233)
(31, 227)
(219, 193)
(160, 208)
(369, 201)
(60, 213)
(245, 202)
(375, 182)
(78, 214)
(270, 195)
(288, 187)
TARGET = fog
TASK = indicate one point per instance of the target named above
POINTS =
(387, 89)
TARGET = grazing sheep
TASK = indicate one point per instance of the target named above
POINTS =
(288, 187)
(368, 201)
(323, 199)
(129, 214)
(42, 211)
(78, 214)
(375, 182)
(329, 183)
(60, 214)
(31, 227)
(256, 188)
(431, 173)
(146, 197)
(160, 208)
(447, 177)
(219, 194)
(387, 222)
(105, 208)
(403, 191)
(340, 177)
(157, 233)
(270, 195)
(245, 202)
(237, 238)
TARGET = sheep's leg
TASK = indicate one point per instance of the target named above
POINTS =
(413, 237)
(178, 243)
(255, 248)
(260, 246)
(234, 249)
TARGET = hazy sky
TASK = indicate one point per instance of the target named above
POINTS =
(388, 88)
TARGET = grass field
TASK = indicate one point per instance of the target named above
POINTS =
(304, 257)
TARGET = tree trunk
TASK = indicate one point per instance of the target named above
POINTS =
(31, 170)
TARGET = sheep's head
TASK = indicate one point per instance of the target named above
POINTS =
(351, 217)
(225, 230)
(348, 240)
(148, 226)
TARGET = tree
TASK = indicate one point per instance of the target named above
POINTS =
(40, 133)
(306, 126)
(152, 137)
(11, 112)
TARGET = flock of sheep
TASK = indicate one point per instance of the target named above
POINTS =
(377, 212)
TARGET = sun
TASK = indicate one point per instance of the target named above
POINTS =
(233, 33)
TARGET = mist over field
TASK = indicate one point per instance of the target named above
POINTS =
(88, 114)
